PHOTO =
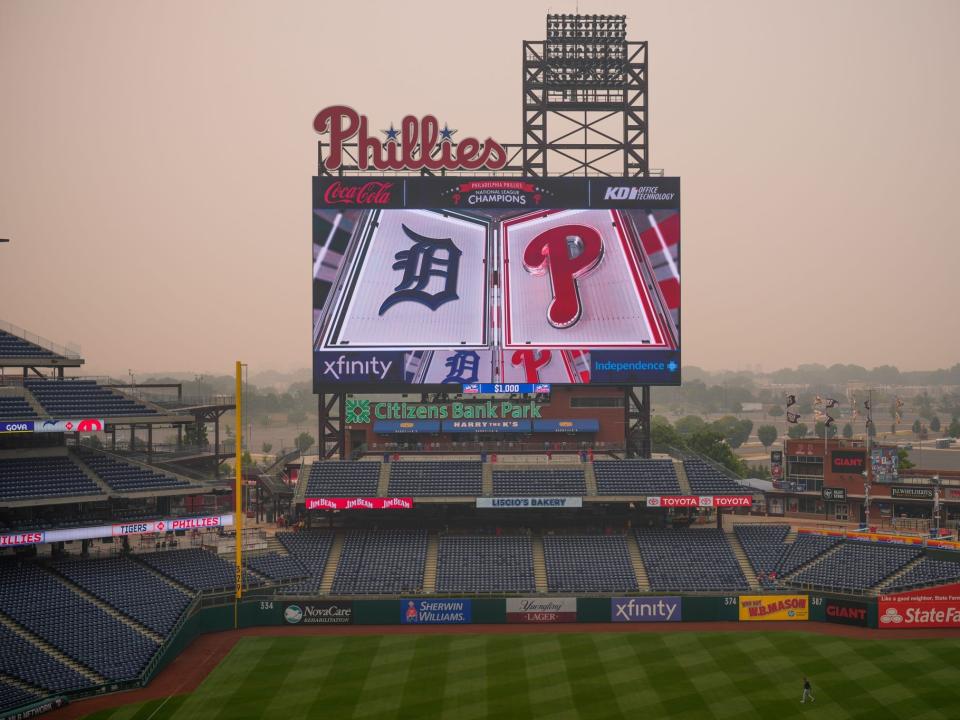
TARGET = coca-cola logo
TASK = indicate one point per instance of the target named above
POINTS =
(418, 144)
(369, 193)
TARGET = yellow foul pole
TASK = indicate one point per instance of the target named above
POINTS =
(238, 493)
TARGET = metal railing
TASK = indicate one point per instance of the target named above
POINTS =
(40, 341)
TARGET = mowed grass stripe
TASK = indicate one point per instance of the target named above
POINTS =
(571, 676)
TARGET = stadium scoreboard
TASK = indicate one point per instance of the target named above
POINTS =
(495, 285)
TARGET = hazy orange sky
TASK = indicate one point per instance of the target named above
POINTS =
(155, 164)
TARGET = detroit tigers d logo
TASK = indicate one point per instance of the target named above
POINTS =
(566, 253)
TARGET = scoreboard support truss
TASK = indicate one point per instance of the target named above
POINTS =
(636, 422)
(331, 426)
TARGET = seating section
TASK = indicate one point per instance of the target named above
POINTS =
(684, 559)
(383, 562)
(43, 477)
(436, 478)
(14, 407)
(281, 568)
(196, 569)
(561, 482)
(12, 696)
(130, 588)
(926, 572)
(311, 550)
(588, 563)
(343, 479)
(82, 399)
(485, 563)
(636, 477)
(764, 545)
(13, 346)
(72, 624)
(126, 477)
(804, 549)
(856, 566)
(707, 480)
(21, 659)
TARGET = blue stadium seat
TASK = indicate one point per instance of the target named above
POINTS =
(412, 478)
(559, 482)
(485, 563)
(588, 563)
(74, 398)
(331, 478)
(381, 562)
(695, 560)
(636, 477)
(44, 477)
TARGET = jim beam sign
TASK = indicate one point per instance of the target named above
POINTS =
(418, 144)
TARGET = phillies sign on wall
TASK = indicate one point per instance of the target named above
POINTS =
(418, 144)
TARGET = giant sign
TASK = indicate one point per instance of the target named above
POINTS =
(449, 282)
(848, 461)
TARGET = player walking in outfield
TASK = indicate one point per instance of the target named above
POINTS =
(806, 691)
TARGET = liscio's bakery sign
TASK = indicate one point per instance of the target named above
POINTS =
(418, 144)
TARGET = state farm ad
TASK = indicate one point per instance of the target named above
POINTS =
(937, 607)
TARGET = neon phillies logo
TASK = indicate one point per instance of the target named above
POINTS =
(417, 145)
(566, 253)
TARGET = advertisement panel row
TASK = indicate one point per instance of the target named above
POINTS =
(520, 503)
(774, 607)
(359, 503)
(700, 501)
(80, 425)
(541, 610)
(141, 527)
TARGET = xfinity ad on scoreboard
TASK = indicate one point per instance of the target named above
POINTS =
(443, 282)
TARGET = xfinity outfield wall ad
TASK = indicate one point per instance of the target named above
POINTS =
(440, 282)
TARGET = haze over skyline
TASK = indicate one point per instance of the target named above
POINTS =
(155, 164)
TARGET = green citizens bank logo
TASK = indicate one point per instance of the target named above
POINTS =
(358, 411)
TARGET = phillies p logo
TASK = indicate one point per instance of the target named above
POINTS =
(566, 253)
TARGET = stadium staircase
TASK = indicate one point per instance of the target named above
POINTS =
(275, 546)
(591, 479)
(639, 569)
(682, 477)
(539, 564)
(52, 651)
(106, 607)
(168, 580)
(9, 680)
(336, 550)
(822, 556)
(880, 587)
(300, 494)
(101, 483)
(748, 572)
(15, 391)
(791, 537)
(430, 564)
(383, 484)
(487, 479)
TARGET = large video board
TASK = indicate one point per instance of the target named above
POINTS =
(436, 282)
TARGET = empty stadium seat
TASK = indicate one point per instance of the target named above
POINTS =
(14, 407)
(855, 567)
(684, 559)
(21, 659)
(705, 479)
(804, 549)
(196, 569)
(561, 482)
(281, 568)
(43, 477)
(13, 346)
(485, 563)
(73, 398)
(926, 572)
(588, 563)
(311, 550)
(383, 562)
(130, 588)
(72, 624)
(332, 478)
(764, 546)
(127, 477)
(410, 478)
(636, 477)
(12, 696)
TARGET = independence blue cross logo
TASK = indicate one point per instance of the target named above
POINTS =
(427, 258)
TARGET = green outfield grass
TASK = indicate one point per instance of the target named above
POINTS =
(599, 675)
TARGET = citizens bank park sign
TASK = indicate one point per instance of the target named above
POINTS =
(700, 501)
(39, 537)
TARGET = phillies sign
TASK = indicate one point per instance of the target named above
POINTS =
(703, 501)
(419, 144)
(359, 503)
